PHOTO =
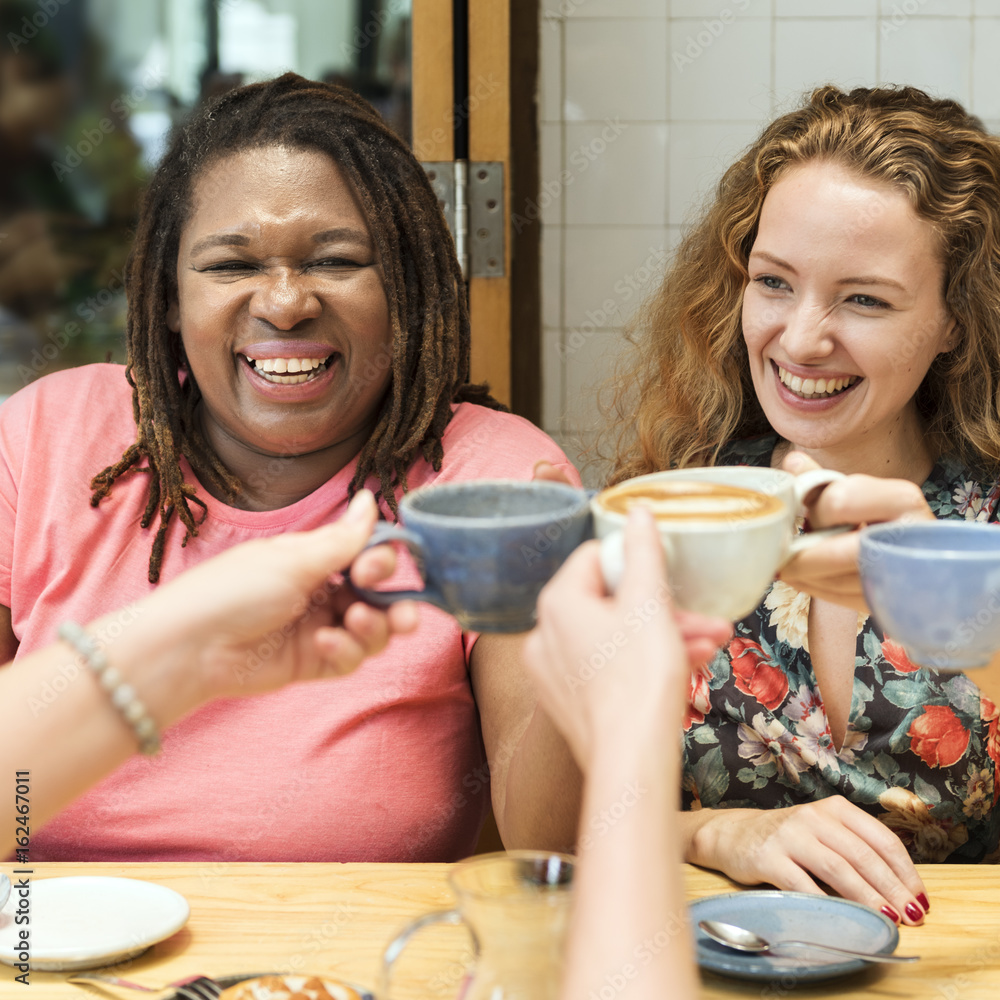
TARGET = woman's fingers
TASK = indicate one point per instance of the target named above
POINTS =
(832, 842)
(860, 499)
(373, 566)
(546, 471)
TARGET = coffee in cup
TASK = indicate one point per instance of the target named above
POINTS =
(685, 500)
(726, 530)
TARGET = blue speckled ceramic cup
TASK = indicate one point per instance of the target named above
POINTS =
(486, 548)
(934, 587)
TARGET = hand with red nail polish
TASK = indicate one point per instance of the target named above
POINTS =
(795, 848)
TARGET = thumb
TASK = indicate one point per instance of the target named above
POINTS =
(333, 547)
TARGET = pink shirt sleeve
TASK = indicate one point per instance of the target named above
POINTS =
(15, 416)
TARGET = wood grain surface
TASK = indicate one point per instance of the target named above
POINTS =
(335, 920)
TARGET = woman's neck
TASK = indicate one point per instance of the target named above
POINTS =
(905, 453)
(273, 481)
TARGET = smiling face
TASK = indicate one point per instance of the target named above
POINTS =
(842, 317)
(281, 310)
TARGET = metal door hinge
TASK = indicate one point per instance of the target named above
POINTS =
(471, 196)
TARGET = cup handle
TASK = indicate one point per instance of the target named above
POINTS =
(804, 485)
(808, 481)
(612, 557)
(385, 534)
(399, 943)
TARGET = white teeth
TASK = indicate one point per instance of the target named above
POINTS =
(814, 388)
(275, 369)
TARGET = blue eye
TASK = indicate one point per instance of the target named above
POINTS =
(869, 302)
(770, 281)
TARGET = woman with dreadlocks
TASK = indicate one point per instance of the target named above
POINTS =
(297, 331)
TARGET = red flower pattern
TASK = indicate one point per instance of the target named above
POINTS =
(988, 713)
(937, 736)
(755, 675)
(896, 655)
(698, 701)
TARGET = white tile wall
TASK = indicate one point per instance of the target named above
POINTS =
(985, 47)
(809, 52)
(931, 53)
(615, 173)
(643, 103)
(698, 91)
(598, 58)
(608, 270)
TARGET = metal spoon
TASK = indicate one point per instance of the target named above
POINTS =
(740, 939)
(4, 890)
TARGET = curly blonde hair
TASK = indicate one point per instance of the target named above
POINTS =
(687, 391)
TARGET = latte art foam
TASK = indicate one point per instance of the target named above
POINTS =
(691, 501)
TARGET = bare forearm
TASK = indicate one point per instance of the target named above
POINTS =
(544, 787)
(630, 933)
(59, 723)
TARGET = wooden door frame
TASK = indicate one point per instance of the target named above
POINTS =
(502, 127)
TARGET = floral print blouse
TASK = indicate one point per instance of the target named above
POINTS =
(921, 747)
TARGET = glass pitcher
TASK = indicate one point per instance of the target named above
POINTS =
(516, 906)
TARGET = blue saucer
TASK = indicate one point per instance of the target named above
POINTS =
(793, 916)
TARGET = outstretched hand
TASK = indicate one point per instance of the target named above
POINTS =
(702, 636)
(831, 840)
(599, 660)
(266, 612)
(829, 570)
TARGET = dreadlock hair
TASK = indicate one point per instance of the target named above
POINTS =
(423, 282)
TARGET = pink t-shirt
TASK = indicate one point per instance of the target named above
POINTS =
(384, 765)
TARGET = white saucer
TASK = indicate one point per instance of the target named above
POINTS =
(86, 921)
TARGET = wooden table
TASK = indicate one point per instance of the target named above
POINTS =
(336, 919)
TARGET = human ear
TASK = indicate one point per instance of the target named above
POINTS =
(173, 314)
(952, 336)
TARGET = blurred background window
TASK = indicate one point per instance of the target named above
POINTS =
(89, 90)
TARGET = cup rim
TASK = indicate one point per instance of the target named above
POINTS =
(579, 497)
(872, 534)
(695, 523)
(481, 860)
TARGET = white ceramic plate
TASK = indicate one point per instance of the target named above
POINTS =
(86, 921)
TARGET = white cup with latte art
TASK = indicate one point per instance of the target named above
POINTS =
(726, 530)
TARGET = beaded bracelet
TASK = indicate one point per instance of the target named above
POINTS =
(123, 695)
